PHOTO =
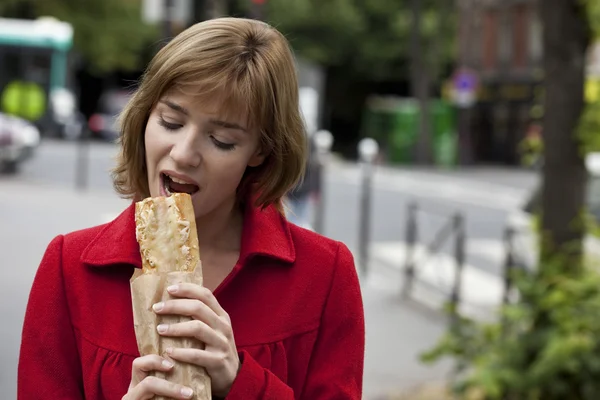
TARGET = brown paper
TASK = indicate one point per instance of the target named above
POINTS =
(147, 290)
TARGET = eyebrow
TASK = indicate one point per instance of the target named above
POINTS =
(184, 111)
(227, 125)
(175, 107)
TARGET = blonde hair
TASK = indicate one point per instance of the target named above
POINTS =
(247, 65)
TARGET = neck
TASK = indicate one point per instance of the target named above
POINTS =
(221, 230)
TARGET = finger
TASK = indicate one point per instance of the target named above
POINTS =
(142, 366)
(193, 291)
(195, 329)
(191, 308)
(152, 386)
(204, 358)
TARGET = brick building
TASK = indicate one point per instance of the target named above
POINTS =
(501, 40)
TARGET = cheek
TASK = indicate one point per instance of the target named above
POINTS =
(225, 171)
(155, 144)
(228, 170)
(153, 148)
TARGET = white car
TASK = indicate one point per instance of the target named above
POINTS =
(18, 141)
(521, 222)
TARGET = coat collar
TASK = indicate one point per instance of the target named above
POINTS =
(265, 233)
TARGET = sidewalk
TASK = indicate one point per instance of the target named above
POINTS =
(397, 333)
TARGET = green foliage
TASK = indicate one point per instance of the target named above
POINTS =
(593, 12)
(588, 130)
(109, 34)
(547, 345)
(589, 126)
(369, 37)
(531, 149)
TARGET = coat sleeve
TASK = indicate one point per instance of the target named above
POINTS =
(336, 367)
(49, 366)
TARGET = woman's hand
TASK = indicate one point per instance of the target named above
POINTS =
(211, 325)
(145, 387)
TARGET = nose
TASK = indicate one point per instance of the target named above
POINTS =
(185, 152)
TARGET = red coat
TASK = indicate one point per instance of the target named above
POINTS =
(293, 298)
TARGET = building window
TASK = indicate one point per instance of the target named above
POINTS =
(505, 39)
(535, 38)
(490, 39)
(520, 36)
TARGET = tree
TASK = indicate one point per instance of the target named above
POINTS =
(366, 43)
(426, 66)
(109, 34)
(566, 38)
(369, 37)
(547, 344)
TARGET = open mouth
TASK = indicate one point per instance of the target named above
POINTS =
(173, 185)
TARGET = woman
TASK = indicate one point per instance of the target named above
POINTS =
(216, 115)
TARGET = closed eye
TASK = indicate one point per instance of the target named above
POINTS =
(168, 125)
(222, 145)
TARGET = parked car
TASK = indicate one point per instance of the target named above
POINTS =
(523, 224)
(103, 124)
(18, 141)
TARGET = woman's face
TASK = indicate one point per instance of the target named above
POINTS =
(191, 148)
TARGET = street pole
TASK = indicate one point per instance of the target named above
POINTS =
(323, 142)
(468, 10)
(368, 149)
(83, 155)
(458, 222)
(411, 238)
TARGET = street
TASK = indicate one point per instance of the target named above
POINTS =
(485, 198)
(42, 202)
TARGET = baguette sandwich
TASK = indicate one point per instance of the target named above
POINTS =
(166, 232)
(165, 229)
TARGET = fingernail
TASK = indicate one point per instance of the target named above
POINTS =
(187, 392)
(172, 289)
(167, 364)
(169, 350)
(158, 306)
(162, 328)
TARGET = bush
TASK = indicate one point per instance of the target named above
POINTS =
(547, 345)
(588, 131)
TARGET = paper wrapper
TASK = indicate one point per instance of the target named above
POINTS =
(147, 290)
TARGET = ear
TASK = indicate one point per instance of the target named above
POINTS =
(257, 158)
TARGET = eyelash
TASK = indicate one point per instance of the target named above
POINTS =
(173, 127)
(221, 145)
(167, 125)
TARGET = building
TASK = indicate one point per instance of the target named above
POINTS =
(501, 41)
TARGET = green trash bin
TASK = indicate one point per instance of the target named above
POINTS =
(391, 122)
(403, 135)
(376, 124)
(394, 123)
(443, 133)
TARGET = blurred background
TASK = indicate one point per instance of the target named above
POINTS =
(439, 130)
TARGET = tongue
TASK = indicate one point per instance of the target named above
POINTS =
(182, 187)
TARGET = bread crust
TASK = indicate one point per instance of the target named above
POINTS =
(166, 233)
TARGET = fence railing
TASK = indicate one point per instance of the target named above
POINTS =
(516, 250)
(451, 231)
